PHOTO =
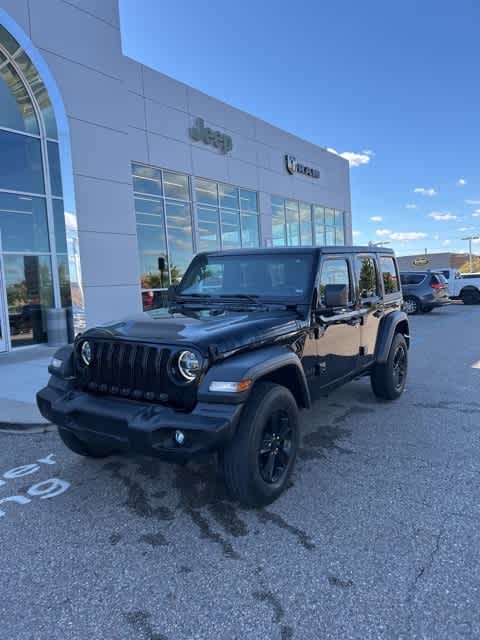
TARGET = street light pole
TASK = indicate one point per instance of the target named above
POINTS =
(470, 238)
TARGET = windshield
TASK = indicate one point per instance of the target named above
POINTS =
(257, 275)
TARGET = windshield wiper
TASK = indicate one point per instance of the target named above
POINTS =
(241, 296)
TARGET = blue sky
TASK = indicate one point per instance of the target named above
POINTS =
(394, 84)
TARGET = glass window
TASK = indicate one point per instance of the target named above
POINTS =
(278, 222)
(54, 167)
(206, 192)
(33, 77)
(305, 224)
(292, 222)
(21, 163)
(149, 210)
(154, 300)
(329, 236)
(23, 223)
(64, 281)
(329, 216)
(230, 229)
(366, 277)
(339, 236)
(250, 235)
(8, 41)
(147, 180)
(248, 200)
(208, 231)
(153, 255)
(176, 186)
(180, 242)
(389, 275)
(29, 295)
(16, 108)
(319, 224)
(228, 196)
(334, 271)
(59, 226)
(338, 218)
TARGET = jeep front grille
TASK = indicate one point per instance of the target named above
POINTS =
(125, 369)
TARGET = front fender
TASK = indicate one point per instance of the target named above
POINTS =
(396, 320)
(256, 365)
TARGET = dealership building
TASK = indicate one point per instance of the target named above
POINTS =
(112, 175)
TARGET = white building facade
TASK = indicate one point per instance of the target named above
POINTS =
(112, 175)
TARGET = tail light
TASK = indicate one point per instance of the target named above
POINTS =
(436, 285)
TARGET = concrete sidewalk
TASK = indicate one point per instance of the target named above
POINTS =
(22, 373)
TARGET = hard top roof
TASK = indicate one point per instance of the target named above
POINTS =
(297, 250)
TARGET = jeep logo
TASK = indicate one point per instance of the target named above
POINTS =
(421, 261)
(217, 139)
(297, 167)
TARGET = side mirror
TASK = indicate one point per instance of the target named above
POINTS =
(171, 292)
(336, 295)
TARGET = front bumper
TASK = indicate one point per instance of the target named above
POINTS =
(146, 428)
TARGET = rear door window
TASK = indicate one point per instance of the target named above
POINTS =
(412, 278)
(389, 275)
(367, 281)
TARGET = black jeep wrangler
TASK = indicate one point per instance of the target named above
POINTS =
(250, 337)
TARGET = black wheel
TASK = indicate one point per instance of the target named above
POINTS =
(389, 379)
(82, 448)
(411, 305)
(258, 461)
(470, 297)
(427, 309)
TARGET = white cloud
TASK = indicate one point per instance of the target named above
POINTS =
(410, 205)
(461, 182)
(446, 243)
(436, 237)
(466, 228)
(355, 159)
(425, 192)
(400, 235)
(436, 215)
(376, 218)
(476, 213)
(472, 201)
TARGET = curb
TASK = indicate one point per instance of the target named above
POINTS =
(26, 427)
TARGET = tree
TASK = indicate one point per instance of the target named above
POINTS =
(465, 268)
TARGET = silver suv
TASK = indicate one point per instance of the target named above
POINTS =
(423, 290)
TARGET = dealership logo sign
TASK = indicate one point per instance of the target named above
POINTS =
(201, 133)
(421, 261)
(297, 167)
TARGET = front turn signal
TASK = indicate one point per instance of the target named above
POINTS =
(230, 387)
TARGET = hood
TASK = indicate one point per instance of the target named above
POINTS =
(223, 332)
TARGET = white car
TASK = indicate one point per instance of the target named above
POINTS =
(467, 288)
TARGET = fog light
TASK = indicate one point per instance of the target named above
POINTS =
(179, 437)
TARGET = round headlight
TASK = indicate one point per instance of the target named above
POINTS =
(86, 352)
(188, 365)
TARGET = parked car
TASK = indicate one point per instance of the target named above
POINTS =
(229, 371)
(467, 288)
(423, 290)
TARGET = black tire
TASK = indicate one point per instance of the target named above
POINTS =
(388, 381)
(411, 305)
(247, 460)
(82, 448)
(470, 297)
(427, 309)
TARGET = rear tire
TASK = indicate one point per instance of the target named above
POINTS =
(259, 460)
(470, 297)
(388, 379)
(82, 448)
(411, 305)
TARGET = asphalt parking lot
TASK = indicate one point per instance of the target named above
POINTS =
(378, 536)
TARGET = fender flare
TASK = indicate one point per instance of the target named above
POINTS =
(255, 365)
(386, 333)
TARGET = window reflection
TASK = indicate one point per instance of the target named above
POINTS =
(21, 162)
(180, 241)
(230, 229)
(23, 223)
(208, 231)
(16, 108)
(54, 166)
(29, 295)
(301, 224)
(305, 224)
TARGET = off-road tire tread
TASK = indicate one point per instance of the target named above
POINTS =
(380, 377)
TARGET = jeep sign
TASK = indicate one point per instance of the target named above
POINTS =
(217, 139)
(297, 167)
(421, 261)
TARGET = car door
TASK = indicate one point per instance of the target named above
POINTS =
(339, 328)
(369, 294)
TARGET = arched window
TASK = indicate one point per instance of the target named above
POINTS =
(33, 237)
